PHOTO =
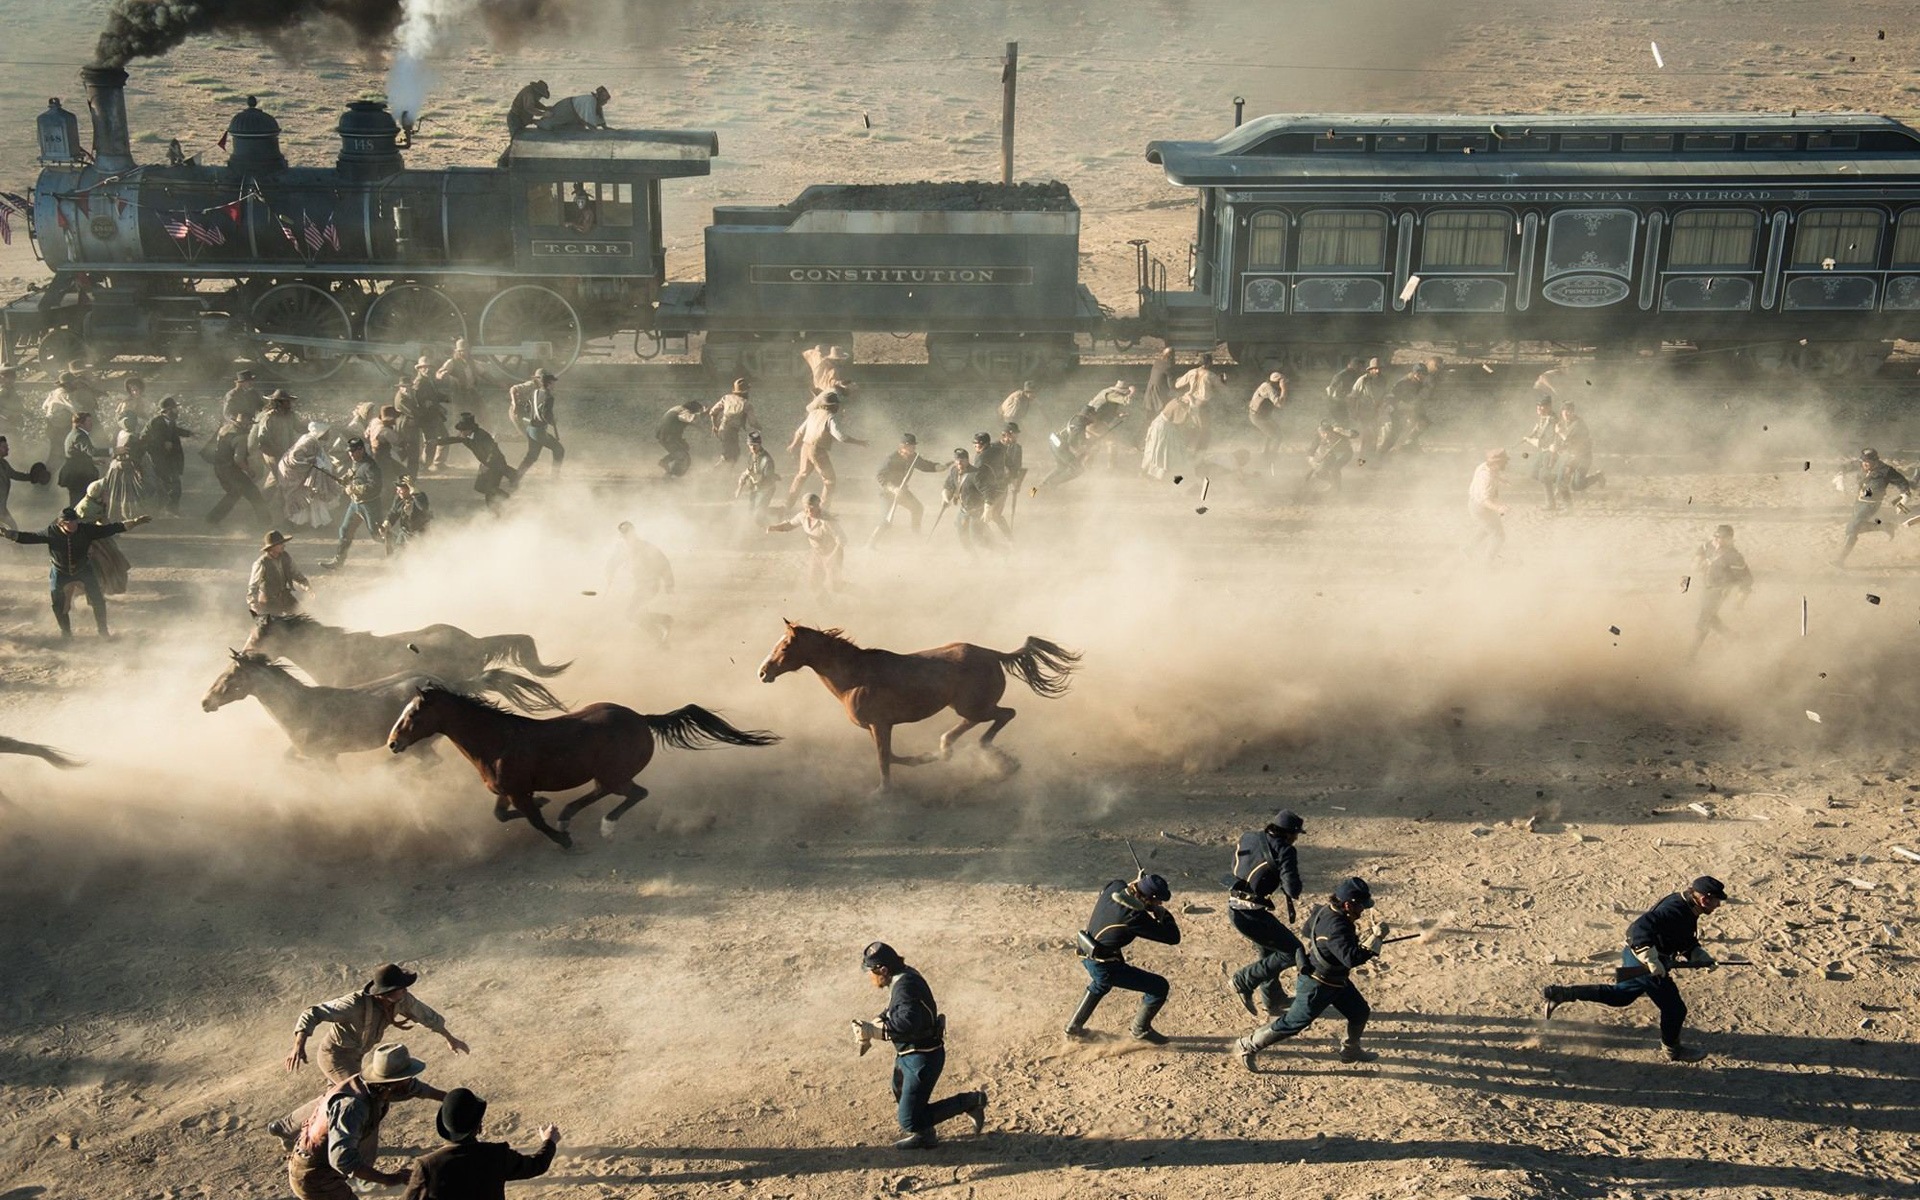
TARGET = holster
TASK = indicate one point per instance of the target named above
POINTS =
(1086, 945)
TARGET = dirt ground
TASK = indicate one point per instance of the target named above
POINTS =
(1520, 759)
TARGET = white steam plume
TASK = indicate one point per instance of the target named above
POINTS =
(424, 25)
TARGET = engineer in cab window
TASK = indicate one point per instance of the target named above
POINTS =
(583, 211)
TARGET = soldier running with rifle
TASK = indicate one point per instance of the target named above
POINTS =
(1013, 461)
(1126, 911)
(895, 478)
(1664, 937)
(1333, 951)
(1265, 864)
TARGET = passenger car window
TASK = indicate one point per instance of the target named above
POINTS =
(1840, 237)
(1465, 241)
(1713, 240)
(1336, 240)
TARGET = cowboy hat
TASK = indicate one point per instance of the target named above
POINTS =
(274, 538)
(391, 978)
(460, 1116)
(389, 1062)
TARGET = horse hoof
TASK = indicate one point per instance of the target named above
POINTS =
(606, 827)
(565, 841)
(564, 827)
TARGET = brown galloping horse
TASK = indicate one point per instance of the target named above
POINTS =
(602, 744)
(881, 689)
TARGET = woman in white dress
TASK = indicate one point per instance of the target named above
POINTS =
(304, 482)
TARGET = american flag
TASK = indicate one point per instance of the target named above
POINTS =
(319, 235)
(6, 229)
(183, 227)
(16, 202)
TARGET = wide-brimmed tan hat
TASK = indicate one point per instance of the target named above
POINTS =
(389, 1062)
(274, 538)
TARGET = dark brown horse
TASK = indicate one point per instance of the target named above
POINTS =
(337, 657)
(602, 744)
(881, 689)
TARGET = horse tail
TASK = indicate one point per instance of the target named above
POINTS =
(527, 695)
(1042, 666)
(691, 727)
(519, 650)
(36, 750)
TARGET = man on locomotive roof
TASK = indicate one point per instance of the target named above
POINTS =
(578, 112)
(528, 106)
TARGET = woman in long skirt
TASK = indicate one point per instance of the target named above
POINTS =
(127, 487)
(307, 490)
(1168, 452)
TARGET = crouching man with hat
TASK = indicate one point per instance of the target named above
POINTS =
(913, 1023)
(1663, 937)
(470, 1169)
(1126, 911)
(357, 1021)
(341, 1139)
(1333, 950)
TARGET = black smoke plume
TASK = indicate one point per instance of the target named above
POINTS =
(299, 28)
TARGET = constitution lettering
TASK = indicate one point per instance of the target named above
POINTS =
(904, 276)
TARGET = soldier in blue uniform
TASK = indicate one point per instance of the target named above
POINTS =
(1664, 935)
(913, 1023)
(1126, 911)
(1333, 950)
(1265, 865)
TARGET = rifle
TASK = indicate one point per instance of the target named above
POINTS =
(1013, 501)
(891, 509)
(944, 506)
(1622, 974)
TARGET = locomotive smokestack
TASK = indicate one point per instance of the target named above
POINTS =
(107, 98)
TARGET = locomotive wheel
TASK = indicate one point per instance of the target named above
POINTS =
(299, 310)
(525, 314)
(58, 348)
(425, 318)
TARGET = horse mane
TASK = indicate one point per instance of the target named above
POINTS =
(253, 658)
(290, 620)
(835, 634)
(468, 698)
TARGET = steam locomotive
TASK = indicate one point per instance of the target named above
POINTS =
(1790, 243)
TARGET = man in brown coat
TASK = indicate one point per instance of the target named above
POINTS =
(468, 1168)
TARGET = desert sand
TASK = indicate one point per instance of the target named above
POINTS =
(1517, 779)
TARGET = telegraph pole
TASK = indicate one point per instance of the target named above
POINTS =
(1009, 79)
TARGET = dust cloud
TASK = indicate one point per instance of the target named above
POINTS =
(1267, 629)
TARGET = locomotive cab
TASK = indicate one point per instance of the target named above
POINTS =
(587, 204)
